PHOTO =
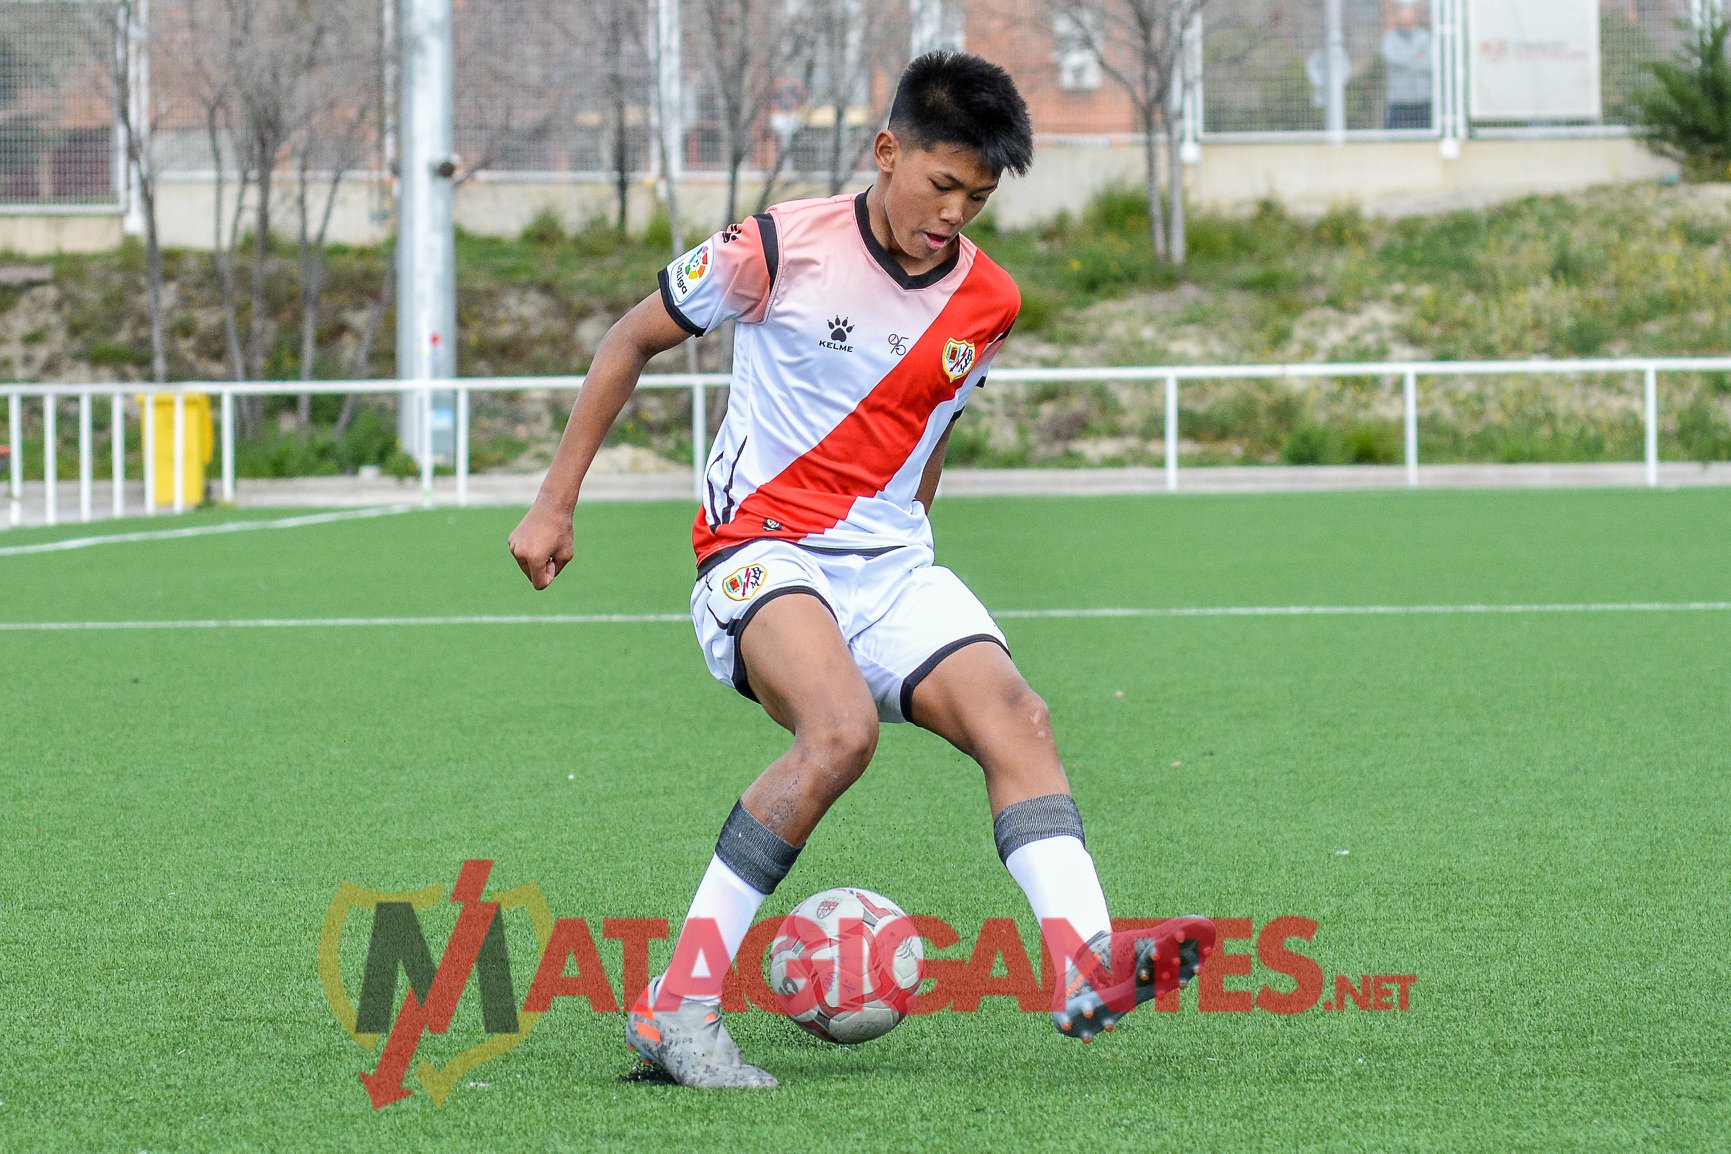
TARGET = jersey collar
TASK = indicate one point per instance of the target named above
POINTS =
(889, 263)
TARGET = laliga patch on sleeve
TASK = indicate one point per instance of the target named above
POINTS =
(688, 272)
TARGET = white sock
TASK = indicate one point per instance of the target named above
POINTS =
(1057, 874)
(725, 901)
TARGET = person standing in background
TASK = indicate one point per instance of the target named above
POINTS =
(1406, 54)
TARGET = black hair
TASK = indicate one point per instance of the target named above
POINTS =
(956, 98)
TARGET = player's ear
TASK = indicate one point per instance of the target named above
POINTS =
(886, 150)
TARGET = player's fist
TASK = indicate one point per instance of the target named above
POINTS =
(541, 543)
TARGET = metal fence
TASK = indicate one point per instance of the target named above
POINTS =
(57, 126)
(1398, 67)
(176, 455)
(564, 89)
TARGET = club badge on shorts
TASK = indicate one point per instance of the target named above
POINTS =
(958, 357)
(743, 583)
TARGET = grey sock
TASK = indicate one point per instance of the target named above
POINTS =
(754, 851)
(1052, 815)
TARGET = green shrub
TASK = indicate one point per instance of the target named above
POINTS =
(545, 229)
(1308, 445)
(1120, 210)
(116, 354)
(1685, 114)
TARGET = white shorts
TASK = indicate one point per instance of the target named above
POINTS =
(899, 614)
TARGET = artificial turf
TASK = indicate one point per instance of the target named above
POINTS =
(1530, 813)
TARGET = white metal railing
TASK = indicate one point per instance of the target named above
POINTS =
(420, 392)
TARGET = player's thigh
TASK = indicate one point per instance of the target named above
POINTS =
(798, 666)
(978, 701)
(925, 615)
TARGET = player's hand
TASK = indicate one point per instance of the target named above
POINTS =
(541, 543)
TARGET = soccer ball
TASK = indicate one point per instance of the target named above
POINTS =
(846, 965)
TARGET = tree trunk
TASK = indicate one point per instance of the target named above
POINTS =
(621, 167)
(255, 321)
(222, 251)
(1151, 179)
(1175, 190)
(153, 283)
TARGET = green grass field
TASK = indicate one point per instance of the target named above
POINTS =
(1529, 812)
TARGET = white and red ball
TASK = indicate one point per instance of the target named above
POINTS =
(846, 965)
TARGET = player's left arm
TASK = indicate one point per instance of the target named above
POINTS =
(928, 490)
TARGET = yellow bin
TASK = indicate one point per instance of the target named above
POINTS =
(158, 408)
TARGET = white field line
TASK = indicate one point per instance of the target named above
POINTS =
(202, 530)
(1010, 614)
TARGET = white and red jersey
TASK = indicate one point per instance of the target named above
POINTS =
(846, 372)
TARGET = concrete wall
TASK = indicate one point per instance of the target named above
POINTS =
(1381, 177)
(46, 235)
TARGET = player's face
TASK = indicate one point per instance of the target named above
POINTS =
(929, 195)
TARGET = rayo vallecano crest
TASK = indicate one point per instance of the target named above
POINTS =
(958, 358)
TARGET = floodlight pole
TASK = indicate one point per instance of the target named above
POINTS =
(426, 240)
(669, 112)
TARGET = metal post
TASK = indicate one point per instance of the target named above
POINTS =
(179, 452)
(50, 463)
(1652, 407)
(227, 447)
(1334, 71)
(135, 59)
(15, 439)
(426, 239)
(1451, 144)
(1411, 403)
(1171, 433)
(117, 449)
(147, 410)
(462, 446)
(1191, 75)
(699, 431)
(426, 400)
(86, 466)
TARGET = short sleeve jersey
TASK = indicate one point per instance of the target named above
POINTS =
(846, 373)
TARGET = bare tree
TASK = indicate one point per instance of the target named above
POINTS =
(118, 36)
(205, 40)
(752, 48)
(787, 104)
(1142, 46)
(329, 140)
(858, 46)
(622, 76)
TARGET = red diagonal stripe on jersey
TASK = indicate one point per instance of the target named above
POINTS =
(860, 456)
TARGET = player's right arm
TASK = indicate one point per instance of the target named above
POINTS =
(542, 542)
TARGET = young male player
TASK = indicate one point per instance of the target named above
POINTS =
(865, 324)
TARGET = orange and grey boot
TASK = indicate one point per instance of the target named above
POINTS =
(690, 1044)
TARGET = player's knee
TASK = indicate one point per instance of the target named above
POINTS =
(838, 748)
(1030, 709)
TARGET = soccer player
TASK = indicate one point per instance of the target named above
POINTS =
(866, 322)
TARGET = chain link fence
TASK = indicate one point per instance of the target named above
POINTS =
(783, 91)
(57, 133)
